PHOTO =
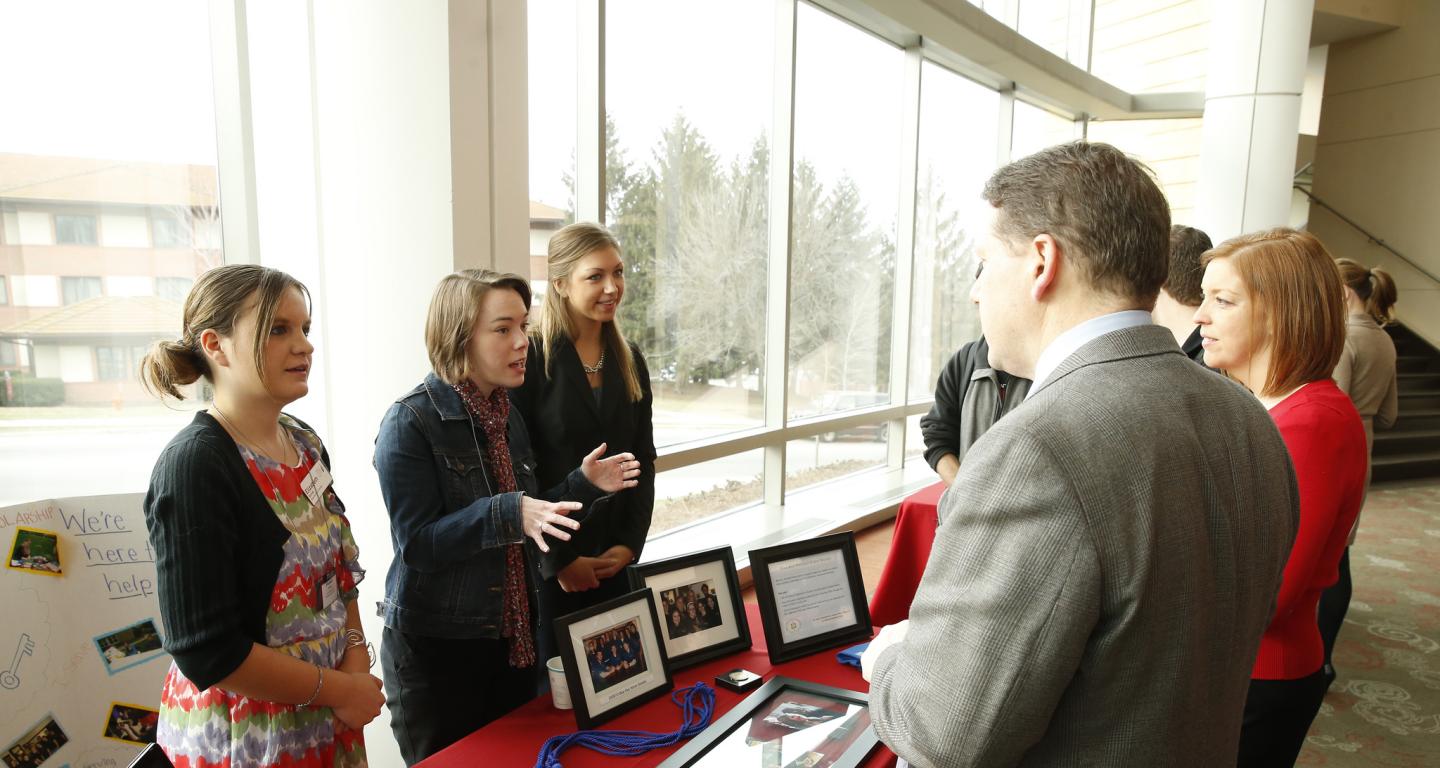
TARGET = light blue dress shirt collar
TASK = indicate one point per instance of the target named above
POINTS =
(1067, 343)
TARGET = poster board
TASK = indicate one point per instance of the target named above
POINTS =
(81, 662)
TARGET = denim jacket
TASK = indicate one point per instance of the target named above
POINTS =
(448, 524)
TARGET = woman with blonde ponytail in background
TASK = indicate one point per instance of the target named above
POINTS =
(586, 385)
(256, 566)
(1366, 372)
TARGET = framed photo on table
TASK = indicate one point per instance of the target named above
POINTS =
(613, 656)
(697, 599)
(811, 595)
(787, 723)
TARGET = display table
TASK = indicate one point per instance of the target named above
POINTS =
(515, 740)
(915, 526)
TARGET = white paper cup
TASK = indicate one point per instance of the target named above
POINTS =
(559, 691)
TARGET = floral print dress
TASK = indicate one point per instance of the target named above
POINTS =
(215, 727)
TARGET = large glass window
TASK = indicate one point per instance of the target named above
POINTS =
(1034, 129)
(832, 455)
(706, 489)
(93, 172)
(168, 232)
(1061, 27)
(71, 229)
(687, 172)
(958, 151)
(173, 288)
(554, 96)
(74, 290)
(846, 190)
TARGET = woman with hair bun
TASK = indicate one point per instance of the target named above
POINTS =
(257, 569)
(1366, 372)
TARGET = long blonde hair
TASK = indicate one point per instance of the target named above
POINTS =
(567, 248)
(216, 302)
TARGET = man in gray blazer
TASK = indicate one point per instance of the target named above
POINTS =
(1109, 555)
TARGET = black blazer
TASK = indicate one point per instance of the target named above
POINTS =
(565, 423)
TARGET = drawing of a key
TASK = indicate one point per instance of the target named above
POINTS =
(10, 678)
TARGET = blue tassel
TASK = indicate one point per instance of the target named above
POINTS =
(697, 706)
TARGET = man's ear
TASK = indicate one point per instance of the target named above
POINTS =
(212, 349)
(1046, 257)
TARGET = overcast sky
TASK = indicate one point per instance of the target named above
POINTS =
(99, 78)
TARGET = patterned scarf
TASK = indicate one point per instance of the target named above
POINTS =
(493, 413)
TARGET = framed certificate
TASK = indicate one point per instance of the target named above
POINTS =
(787, 723)
(811, 595)
(698, 599)
(614, 659)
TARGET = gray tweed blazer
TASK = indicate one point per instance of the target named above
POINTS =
(1108, 560)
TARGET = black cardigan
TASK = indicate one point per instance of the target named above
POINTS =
(218, 550)
(565, 423)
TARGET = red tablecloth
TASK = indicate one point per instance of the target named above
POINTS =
(515, 740)
(909, 552)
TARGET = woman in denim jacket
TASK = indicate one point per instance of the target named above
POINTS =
(458, 480)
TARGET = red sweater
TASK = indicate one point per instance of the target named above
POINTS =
(1327, 445)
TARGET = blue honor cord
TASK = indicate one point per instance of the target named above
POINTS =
(697, 707)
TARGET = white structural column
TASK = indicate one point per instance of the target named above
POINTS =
(1258, 50)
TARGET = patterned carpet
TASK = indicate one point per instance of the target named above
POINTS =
(1384, 707)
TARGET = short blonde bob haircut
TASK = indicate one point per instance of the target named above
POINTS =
(1298, 300)
(454, 311)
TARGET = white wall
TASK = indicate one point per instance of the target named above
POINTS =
(36, 228)
(1377, 157)
(10, 223)
(47, 361)
(383, 139)
(35, 290)
(129, 285)
(77, 364)
(119, 230)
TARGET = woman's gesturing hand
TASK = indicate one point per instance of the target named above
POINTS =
(541, 518)
(613, 473)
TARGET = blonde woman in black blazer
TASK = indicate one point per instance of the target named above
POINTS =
(586, 385)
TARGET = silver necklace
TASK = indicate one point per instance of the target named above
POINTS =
(284, 454)
(596, 368)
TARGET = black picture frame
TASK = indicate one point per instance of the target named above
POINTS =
(584, 672)
(836, 546)
(693, 753)
(719, 565)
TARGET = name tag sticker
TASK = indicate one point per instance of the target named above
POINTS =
(315, 482)
(329, 590)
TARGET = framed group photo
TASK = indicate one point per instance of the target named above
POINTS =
(786, 723)
(697, 599)
(811, 595)
(613, 656)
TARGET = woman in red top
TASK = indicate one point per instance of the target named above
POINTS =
(1273, 319)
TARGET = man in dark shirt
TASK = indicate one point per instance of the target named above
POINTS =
(969, 398)
(1180, 296)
